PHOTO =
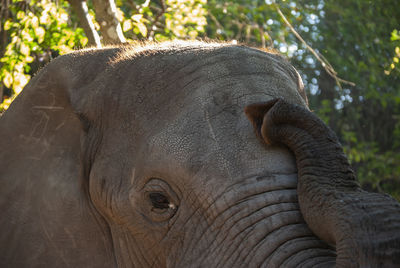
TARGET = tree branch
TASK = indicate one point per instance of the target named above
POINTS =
(324, 62)
(85, 21)
(158, 17)
(262, 36)
(106, 16)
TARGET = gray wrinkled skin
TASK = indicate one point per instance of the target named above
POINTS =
(97, 131)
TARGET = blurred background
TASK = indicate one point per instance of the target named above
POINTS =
(347, 52)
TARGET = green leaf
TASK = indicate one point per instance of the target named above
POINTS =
(137, 17)
(142, 28)
(127, 25)
(40, 33)
(20, 15)
(7, 25)
(8, 79)
(24, 49)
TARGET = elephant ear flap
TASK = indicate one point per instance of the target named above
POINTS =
(47, 218)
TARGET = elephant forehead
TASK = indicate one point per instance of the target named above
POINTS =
(217, 139)
(186, 110)
(208, 130)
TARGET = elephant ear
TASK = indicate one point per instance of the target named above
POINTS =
(47, 218)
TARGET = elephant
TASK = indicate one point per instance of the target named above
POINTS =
(181, 154)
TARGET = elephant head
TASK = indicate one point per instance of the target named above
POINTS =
(142, 156)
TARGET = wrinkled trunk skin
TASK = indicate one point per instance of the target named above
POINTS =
(364, 227)
(254, 223)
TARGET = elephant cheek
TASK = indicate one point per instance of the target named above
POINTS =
(253, 223)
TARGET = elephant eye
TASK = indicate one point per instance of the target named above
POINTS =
(159, 201)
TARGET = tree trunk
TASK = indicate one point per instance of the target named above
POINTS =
(4, 13)
(85, 21)
(106, 16)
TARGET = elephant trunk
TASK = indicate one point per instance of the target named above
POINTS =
(363, 226)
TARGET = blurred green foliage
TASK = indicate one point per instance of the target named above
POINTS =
(165, 20)
(37, 30)
(396, 58)
(359, 38)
